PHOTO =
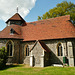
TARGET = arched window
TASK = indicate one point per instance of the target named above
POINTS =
(26, 50)
(10, 48)
(59, 50)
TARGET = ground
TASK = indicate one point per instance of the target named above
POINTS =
(26, 70)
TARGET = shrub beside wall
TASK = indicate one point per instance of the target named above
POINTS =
(3, 57)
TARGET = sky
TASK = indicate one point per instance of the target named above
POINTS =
(28, 9)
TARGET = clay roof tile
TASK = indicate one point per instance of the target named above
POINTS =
(16, 17)
(54, 28)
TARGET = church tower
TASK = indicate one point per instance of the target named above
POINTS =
(16, 19)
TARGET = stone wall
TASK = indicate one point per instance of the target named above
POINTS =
(36, 52)
(16, 51)
(47, 58)
(73, 43)
(25, 59)
(16, 44)
(71, 52)
(52, 44)
(19, 51)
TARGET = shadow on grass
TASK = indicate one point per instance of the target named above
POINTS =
(10, 66)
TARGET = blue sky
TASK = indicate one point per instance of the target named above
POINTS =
(41, 6)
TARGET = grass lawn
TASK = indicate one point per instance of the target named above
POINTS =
(25, 70)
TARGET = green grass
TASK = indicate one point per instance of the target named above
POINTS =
(25, 70)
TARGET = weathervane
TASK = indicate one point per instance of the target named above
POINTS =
(17, 9)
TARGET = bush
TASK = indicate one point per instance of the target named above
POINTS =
(3, 57)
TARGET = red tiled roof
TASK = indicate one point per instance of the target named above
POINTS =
(16, 17)
(44, 46)
(5, 33)
(54, 28)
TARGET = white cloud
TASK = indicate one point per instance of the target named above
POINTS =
(8, 8)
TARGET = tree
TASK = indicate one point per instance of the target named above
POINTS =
(61, 9)
(3, 57)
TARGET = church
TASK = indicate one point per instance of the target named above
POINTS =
(39, 43)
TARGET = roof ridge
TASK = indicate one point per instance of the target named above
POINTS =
(68, 16)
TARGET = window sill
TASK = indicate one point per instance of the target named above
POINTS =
(11, 34)
(10, 56)
(59, 56)
(27, 56)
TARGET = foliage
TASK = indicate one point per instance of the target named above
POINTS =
(3, 57)
(26, 70)
(61, 9)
